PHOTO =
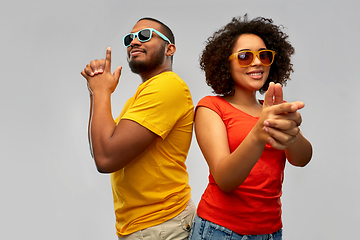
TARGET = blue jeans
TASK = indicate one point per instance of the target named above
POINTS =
(205, 230)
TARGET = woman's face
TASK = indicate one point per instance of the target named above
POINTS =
(253, 77)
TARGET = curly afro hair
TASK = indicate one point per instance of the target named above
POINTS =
(214, 58)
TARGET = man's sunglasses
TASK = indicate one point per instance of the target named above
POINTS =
(143, 35)
(246, 58)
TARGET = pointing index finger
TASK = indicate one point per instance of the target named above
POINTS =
(278, 94)
(269, 95)
(285, 108)
(108, 60)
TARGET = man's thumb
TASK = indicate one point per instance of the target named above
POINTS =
(117, 73)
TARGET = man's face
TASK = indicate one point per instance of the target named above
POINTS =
(147, 56)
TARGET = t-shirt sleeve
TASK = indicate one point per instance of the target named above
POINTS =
(160, 105)
(210, 102)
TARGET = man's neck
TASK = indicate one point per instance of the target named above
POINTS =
(147, 75)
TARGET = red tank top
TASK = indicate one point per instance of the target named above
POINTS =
(254, 207)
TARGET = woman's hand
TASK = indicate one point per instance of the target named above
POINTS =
(280, 120)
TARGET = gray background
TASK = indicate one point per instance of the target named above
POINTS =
(50, 188)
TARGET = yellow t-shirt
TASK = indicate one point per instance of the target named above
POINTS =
(154, 187)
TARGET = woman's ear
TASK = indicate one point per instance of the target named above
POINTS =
(170, 49)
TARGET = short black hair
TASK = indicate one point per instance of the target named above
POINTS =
(165, 29)
(214, 60)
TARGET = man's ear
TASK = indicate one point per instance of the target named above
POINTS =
(170, 49)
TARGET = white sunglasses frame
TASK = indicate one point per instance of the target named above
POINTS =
(135, 35)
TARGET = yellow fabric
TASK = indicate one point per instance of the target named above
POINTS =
(154, 187)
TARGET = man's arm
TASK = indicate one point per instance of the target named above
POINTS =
(90, 117)
(113, 146)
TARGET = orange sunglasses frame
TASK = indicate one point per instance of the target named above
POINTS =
(256, 54)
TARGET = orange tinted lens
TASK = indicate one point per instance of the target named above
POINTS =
(245, 58)
(266, 57)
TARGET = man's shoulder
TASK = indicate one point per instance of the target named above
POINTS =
(167, 77)
(168, 81)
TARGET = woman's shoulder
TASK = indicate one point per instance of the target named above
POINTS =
(210, 100)
(215, 103)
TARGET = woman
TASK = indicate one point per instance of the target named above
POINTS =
(246, 141)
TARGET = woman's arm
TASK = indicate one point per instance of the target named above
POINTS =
(299, 154)
(228, 169)
(231, 169)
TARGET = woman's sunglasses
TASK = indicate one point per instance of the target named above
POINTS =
(143, 35)
(246, 58)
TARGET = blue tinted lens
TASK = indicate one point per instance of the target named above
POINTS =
(143, 35)
(128, 39)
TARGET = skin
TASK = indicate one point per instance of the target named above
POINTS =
(115, 146)
(278, 124)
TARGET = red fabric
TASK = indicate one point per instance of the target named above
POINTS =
(254, 207)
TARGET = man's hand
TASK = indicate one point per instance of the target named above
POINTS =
(99, 77)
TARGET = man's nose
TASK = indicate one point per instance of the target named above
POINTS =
(135, 41)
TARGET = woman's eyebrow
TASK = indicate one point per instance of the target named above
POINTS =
(250, 50)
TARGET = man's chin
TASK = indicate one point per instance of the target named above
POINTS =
(139, 66)
(136, 66)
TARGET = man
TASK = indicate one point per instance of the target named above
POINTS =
(145, 148)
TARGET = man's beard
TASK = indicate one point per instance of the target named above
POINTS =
(137, 66)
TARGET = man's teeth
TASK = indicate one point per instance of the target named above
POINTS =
(255, 74)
